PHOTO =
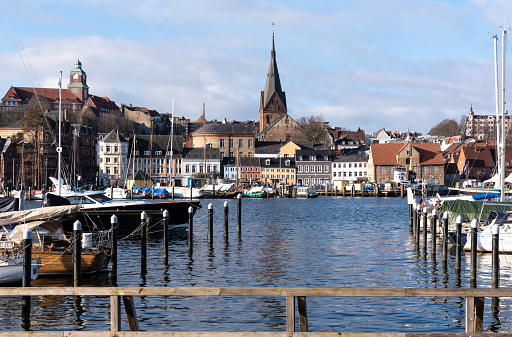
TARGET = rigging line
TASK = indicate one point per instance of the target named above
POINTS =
(14, 37)
(485, 82)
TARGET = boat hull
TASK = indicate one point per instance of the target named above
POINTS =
(11, 272)
(61, 263)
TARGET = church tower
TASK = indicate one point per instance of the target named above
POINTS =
(78, 82)
(273, 98)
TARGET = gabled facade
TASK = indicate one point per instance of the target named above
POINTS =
(313, 167)
(351, 168)
(278, 171)
(152, 157)
(231, 139)
(113, 153)
(194, 161)
(425, 159)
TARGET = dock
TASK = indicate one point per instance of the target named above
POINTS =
(294, 305)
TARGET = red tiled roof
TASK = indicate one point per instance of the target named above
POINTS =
(385, 154)
(52, 95)
(430, 153)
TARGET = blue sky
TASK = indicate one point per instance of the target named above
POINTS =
(398, 64)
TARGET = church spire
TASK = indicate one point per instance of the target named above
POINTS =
(273, 83)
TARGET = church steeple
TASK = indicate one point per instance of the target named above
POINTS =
(273, 83)
(273, 98)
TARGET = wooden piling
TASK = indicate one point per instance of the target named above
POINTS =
(131, 313)
(434, 233)
(143, 243)
(77, 253)
(474, 230)
(190, 230)
(425, 227)
(27, 258)
(165, 216)
(290, 313)
(418, 218)
(191, 191)
(495, 256)
(172, 193)
(210, 225)
(445, 238)
(303, 313)
(239, 215)
(458, 243)
(414, 221)
(113, 248)
(226, 220)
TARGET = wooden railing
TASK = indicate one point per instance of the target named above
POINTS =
(474, 306)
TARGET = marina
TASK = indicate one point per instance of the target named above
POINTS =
(324, 242)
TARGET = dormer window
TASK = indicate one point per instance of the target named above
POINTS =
(147, 153)
(267, 162)
(287, 162)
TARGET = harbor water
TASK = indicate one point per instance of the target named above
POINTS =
(322, 242)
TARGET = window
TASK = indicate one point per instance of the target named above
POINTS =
(231, 154)
(391, 170)
(222, 143)
(231, 144)
(300, 168)
(240, 143)
(326, 168)
(187, 168)
(435, 181)
(158, 153)
(222, 155)
(306, 168)
(287, 162)
(425, 169)
(136, 153)
(147, 153)
(267, 161)
(382, 170)
(435, 169)
(249, 143)
(319, 168)
(108, 149)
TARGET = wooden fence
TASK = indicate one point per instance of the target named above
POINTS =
(474, 307)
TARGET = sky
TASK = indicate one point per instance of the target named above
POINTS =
(370, 64)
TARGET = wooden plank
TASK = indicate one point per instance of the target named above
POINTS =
(479, 314)
(255, 291)
(131, 313)
(230, 334)
(290, 313)
(115, 313)
(470, 314)
(303, 313)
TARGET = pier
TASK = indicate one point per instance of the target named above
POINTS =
(294, 304)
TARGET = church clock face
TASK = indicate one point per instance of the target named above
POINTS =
(75, 77)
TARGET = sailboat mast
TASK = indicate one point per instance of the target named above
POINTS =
(172, 140)
(59, 148)
(502, 139)
(118, 149)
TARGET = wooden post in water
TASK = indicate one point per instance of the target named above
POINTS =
(474, 230)
(425, 227)
(27, 258)
(165, 216)
(172, 193)
(414, 220)
(29, 193)
(239, 215)
(113, 248)
(458, 243)
(353, 190)
(335, 191)
(226, 219)
(434, 233)
(143, 243)
(303, 313)
(27, 276)
(445, 238)
(190, 230)
(77, 253)
(152, 192)
(210, 225)
(191, 189)
(115, 313)
(402, 191)
(495, 256)
(417, 229)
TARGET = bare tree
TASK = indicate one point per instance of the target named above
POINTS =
(313, 128)
(447, 128)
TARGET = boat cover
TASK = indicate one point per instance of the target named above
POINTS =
(8, 204)
(470, 210)
(43, 213)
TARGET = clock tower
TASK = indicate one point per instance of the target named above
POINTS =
(78, 82)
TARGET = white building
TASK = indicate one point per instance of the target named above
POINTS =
(351, 168)
(193, 162)
(112, 150)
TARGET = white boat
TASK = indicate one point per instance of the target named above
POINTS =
(181, 192)
(305, 192)
(11, 270)
(503, 219)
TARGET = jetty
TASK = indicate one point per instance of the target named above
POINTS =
(294, 302)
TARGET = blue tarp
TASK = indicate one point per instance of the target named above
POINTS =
(487, 195)
(159, 192)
